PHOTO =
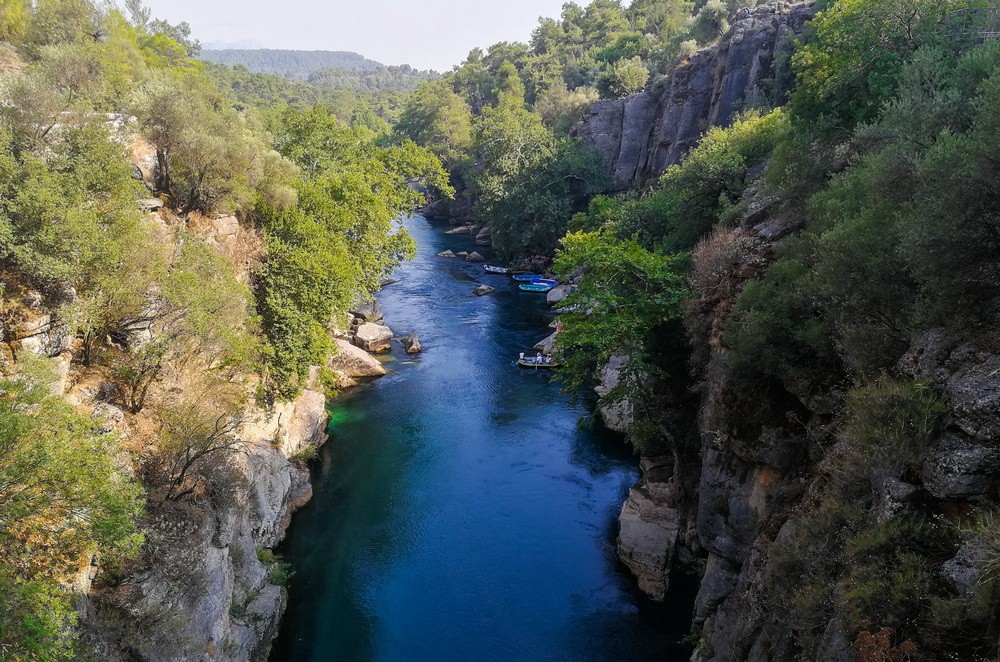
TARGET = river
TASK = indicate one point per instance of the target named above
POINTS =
(460, 512)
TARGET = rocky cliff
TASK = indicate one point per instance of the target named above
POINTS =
(641, 135)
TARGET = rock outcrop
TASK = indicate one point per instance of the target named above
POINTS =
(206, 588)
(373, 337)
(641, 135)
(354, 362)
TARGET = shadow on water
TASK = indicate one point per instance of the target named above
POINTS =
(460, 512)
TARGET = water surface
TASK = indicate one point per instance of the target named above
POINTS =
(460, 513)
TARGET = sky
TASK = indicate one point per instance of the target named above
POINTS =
(427, 34)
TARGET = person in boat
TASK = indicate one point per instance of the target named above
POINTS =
(521, 357)
(538, 358)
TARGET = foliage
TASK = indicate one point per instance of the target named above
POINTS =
(623, 78)
(289, 64)
(711, 22)
(533, 214)
(626, 298)
(208, 157)
(690, 197)
(889, 421)
(852, 67)
(437, 118)
(340, 240)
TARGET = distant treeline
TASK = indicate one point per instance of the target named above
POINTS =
(291, 64)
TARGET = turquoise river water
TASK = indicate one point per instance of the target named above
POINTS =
(460, 512)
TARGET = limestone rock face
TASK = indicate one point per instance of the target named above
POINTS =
(205, 593)
(548, 345)
(647, 539)
(639, 136)
(373, 337)
(616, 415)
(354, 361)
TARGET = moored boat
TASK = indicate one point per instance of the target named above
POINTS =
(545, 281)
(537, 362)
(490, 269)
(535, 287)
(525, 278)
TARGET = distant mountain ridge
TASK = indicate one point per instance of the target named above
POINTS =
(289, 63)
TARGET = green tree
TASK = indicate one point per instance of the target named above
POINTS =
(437, 118)
(623, 78)
(852, 66)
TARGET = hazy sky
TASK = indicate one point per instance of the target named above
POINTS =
(428, 34)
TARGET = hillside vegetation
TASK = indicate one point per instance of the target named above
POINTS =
(168, 326)
(290, 64)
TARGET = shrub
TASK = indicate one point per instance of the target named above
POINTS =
(889, 421)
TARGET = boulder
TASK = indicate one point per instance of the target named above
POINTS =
(411, 344)
(462, 229)
(342, 381)
(446, 254)
(547, 346)
(462, 255)
(150, 204)
(373, 337)
(960, 469)
(110, 417)
(354, 362)
(474, 256)
(370, 311)
(484, 237)
(483, 290)
(975, 399)
(559, 294)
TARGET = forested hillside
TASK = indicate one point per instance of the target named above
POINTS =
(171, 271)
(799, 311)
(297, 65)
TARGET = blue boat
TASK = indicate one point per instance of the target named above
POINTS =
(526, 278)
(535, 287)
(545, 281)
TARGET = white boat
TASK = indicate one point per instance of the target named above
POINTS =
(489, 268)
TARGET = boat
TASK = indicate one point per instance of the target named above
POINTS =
(535, 287)
(490, 269)
(536, 362)
(526, 278)
(545, 281)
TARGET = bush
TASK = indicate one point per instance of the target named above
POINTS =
(888, 421)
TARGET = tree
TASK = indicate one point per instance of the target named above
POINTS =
(711, 22)
(13, 18)
(63, 491)
(533, 215)
(625, 300)
(437, 118)
(853, 65)
(623, 78)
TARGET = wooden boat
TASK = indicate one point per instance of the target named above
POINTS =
(490, 269)
(532, 362)
(535, 287)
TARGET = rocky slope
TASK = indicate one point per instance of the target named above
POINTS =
(641, 135)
